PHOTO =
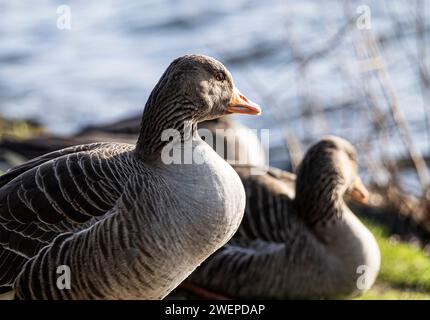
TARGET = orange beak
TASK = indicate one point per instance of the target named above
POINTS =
(241, 104)
(358, 191)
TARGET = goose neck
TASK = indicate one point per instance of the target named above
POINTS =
(319, 194)
(161, 125)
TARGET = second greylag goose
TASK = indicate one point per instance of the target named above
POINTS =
(298, 238)
(126, 224)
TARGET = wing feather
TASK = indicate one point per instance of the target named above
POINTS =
(63, 191)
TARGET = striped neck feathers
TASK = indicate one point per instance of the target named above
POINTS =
(163, 120)
(320, 188)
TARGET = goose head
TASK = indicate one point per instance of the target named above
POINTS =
(194, 88)
(328, 172)
(344, 159)
(203, 83)
(209, 86)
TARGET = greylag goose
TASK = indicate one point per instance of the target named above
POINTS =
(238, 143)
(301, 242)
(125, 223)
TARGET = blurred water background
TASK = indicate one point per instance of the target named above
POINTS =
(306, 62)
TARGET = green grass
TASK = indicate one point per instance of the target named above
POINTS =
(383, 292)
(405, 269)
(18, 128)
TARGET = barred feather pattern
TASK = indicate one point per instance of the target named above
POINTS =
(179, 115)
(111, 260)
(64, 191)
(319, 194)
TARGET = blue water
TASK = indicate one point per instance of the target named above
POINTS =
(104, 67)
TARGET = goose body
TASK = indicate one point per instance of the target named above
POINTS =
(298, 238)
(126, 224)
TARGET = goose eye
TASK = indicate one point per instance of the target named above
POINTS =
(220, 76)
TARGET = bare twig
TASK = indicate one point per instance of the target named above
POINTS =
(389, 94)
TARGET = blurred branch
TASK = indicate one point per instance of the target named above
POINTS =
(294, 151)
(419, 59)
(379, 124)
(422, 58)
(330, 45)
(397, 115)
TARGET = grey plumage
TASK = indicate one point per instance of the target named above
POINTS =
(298, 239)
(127, 225)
